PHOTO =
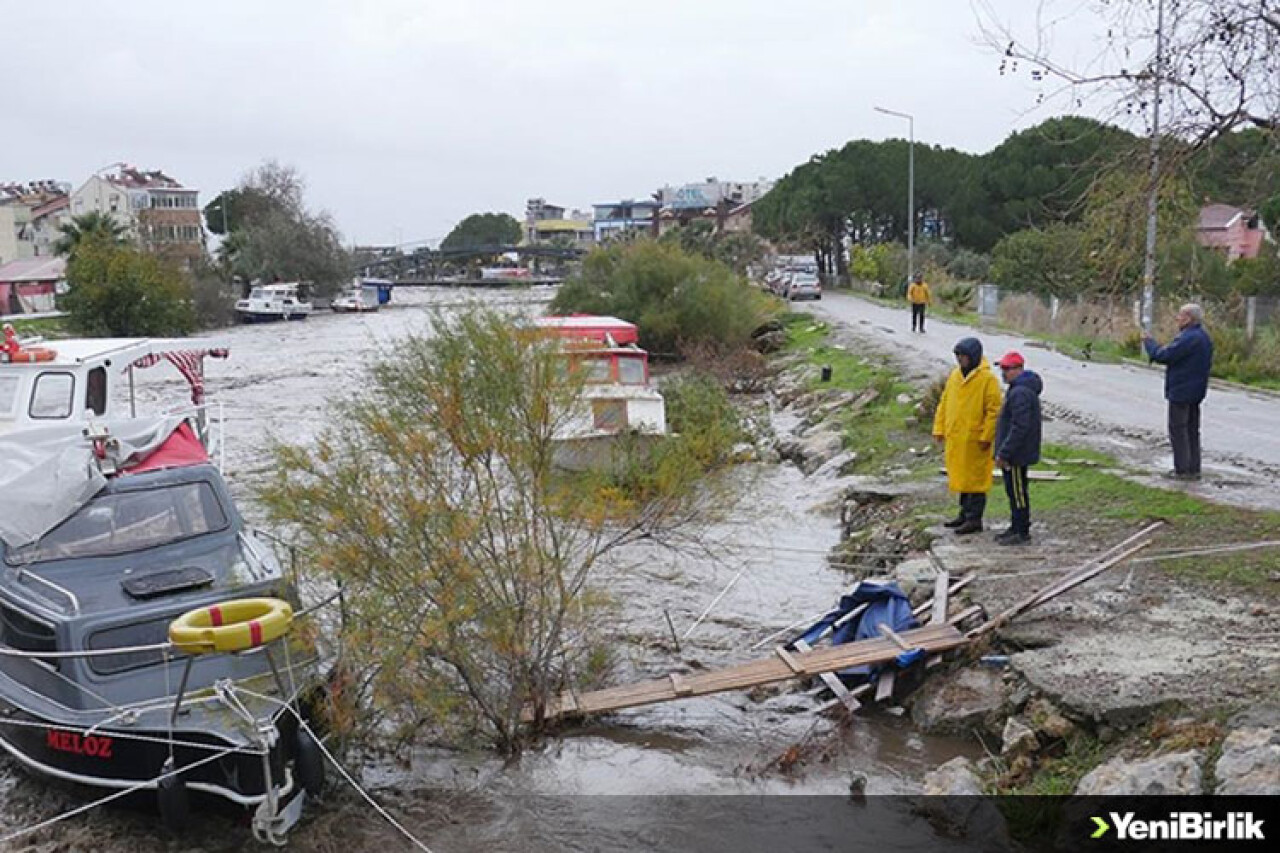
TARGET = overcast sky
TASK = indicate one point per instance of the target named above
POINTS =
(406, 115)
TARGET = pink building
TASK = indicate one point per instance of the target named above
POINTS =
(1235, 230)
(29, 285)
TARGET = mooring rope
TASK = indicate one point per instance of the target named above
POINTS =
(338, 766)
(123, 792)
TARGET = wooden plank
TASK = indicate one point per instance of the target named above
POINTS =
(933, 638)
(1069, 581)
(939, 612)
(833, 683)
(886, 631)
(678, 685)
(884, 686)
(791, 662)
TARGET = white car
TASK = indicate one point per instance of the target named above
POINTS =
(804, 285)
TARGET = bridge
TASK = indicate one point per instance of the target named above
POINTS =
(427, 266)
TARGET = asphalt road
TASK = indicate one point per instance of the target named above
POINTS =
(1240, 430)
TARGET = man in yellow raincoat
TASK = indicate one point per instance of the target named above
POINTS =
(966, 425)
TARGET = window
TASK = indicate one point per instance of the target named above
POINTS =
(129, 521)
(631, 371)
(8, 395)
(95, 392)
(21, 632)
(51, 399)
(596, 370)
(137, 634)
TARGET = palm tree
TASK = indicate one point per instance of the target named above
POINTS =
(86, 226)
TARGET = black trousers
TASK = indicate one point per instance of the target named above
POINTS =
(917, 316)
(1184, 435)
(973, 505)
(1016, 483)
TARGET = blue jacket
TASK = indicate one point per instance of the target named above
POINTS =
(1019, 424)
(1189, 357)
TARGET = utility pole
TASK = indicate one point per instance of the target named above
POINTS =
(911, 187)
(1153, 190)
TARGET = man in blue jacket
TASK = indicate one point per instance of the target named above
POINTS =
(1188, 357)
(1017, 444)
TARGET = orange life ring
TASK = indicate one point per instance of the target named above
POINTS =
(32, 355)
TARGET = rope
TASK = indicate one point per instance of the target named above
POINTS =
(342, 770)
(29, 724)
(124, 792)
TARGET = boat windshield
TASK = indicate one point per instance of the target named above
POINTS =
(129, 521)
(631, 370)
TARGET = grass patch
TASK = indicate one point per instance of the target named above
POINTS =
(1100, 490)
(882, 432)
(48, 327)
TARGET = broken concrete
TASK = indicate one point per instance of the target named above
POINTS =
(960, 702)
(1169, 774)
(1018, 738)
(1250, 762)
(953, 803)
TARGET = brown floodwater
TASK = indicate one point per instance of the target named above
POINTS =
(769, 554)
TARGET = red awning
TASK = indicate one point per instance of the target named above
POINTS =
(178, 451)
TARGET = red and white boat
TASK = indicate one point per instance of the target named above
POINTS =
(618, 398)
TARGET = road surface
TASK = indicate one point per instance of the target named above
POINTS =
(1122, 404)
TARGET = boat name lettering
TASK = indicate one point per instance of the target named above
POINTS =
(94, 746)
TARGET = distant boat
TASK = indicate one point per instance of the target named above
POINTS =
(267, 303)
(618, 399)
(359, 298)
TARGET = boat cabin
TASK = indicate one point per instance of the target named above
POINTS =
(57, 383)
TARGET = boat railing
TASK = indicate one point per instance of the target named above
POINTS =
(210, 420)
(26, 574)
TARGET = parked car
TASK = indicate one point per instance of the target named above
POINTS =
(804, 285)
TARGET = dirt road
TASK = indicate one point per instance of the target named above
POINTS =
(1119, 408)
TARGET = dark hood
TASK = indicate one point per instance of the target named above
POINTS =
(971, 347)
(1028, 379)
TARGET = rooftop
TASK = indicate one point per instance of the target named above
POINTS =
(33, 269)
(136, 179)
(1217, 216)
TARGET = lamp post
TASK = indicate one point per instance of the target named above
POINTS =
(911, 187)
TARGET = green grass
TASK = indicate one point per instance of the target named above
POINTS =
(49, 327)
(1099, 496)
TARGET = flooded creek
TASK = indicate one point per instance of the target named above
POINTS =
(767, 568)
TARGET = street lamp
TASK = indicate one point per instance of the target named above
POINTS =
(911, 187)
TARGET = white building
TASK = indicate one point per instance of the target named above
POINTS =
(157, 212)
(30, 216)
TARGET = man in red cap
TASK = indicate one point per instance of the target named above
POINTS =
(1017, 444)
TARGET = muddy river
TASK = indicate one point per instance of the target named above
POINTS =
(770, 556)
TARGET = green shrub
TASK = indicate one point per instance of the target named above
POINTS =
(118, 291)
(677, 299)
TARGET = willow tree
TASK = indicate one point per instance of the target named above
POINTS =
(465, 556)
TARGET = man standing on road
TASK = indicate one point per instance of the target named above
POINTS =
(1189, 358)
(965, 425)
(1018, 443)
(919, 297)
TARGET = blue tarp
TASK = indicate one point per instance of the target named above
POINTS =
(886, 604)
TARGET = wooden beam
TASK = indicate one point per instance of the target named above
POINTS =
(833, 683)
(884, 685)
(932, 638)
(939, 612)
(886, 631)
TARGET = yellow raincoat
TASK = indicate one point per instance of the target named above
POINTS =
(918, 293)
(966, 418)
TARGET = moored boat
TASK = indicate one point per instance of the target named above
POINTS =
(144, 640)
(617, 399)
(267, 303)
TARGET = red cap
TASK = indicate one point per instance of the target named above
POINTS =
(1011, 359)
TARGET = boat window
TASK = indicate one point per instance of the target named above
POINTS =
(95, 392)
(129, 521)
(597, 370)
(51, 398)
(128, 636)
(8, 394)
(21, 632)
(631, 371)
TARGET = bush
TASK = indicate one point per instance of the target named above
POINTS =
(1239, 359)
(119, 291)
(970, 266)
(464, 556)
(957, 297)
(677, 299)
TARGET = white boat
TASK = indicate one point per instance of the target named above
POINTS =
(360, 297)
(270, 302)
(618, 398)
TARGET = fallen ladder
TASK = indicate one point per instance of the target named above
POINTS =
(781, 666)
(934, 638)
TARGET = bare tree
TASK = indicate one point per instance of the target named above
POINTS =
(1220, 63)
